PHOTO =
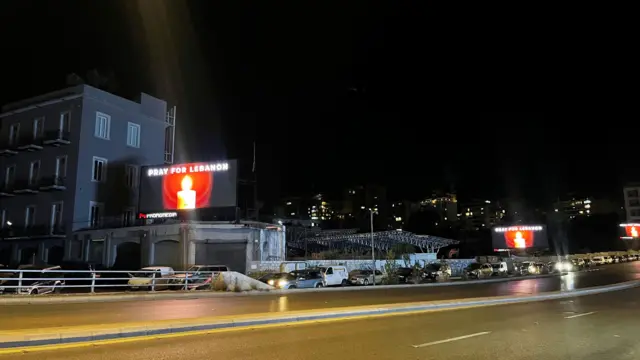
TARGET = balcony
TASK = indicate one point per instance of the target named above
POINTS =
(32, 231)
(8, 148)
(26, 187)
(30, 143)
(52, 183)
(57, 138)
(7, 190)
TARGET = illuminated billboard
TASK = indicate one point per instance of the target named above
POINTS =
(188, 186)
(519, 237)
(630, 231)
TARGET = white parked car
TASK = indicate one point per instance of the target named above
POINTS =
(334, 275)
(598, 260)
(151, 277)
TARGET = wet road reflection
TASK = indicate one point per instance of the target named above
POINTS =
(51, 315)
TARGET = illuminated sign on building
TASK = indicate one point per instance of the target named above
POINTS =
(518, 228)
(160, 215)
(631, 230)
(187, 169)
(519, 237)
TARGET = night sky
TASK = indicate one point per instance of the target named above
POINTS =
(333, 96)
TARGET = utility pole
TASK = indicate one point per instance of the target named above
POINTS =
(373, 251)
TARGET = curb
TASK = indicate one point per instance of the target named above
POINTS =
(172, 295)
(13, 343)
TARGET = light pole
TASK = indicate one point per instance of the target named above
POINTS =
(373, 251)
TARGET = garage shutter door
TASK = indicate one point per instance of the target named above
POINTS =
(167, 254)
(234, 255)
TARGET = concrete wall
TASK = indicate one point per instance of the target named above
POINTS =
(177, 245)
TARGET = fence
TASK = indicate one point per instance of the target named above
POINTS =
(43, 281)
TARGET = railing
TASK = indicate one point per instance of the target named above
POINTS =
(42, 281)
(52, 181)
(57, 135)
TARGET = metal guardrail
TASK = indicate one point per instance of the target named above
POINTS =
(53, 280)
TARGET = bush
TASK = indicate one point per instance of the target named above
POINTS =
(219, 284)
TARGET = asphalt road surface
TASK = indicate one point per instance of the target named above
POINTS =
(587, 328)
(55, 315)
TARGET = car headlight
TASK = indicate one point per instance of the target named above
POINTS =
(282, 283)
(271, 282)
(559, 266)
(532, 268)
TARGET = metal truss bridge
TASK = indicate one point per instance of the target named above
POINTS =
(349, 239)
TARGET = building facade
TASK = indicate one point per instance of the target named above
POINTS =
(70, 161)
(632, 202)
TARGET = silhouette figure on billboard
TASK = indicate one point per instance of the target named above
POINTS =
(519, 241)
(186, 196)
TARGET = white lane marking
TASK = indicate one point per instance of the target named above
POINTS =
(578, 315)
(452, 339)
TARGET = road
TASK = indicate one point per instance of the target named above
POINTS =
(587, 328)
(35, 316)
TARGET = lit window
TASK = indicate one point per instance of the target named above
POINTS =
(133, 135)
(103, 126)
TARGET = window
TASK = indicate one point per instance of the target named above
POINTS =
(99, 170)
(133, 135)
(56, 215)
(10, 175)
(14, 131)
(4, 219)
(632, 193)
(634, 202)
(131, 174)
(103, 126)
(30, 216)
(635, 212)
(128, 217)
(38, 127)
(34, 172)
(95, 214)
(61, 167)
(65, 120)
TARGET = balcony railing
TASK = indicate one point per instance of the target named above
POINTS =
(32, 231)
(57, 138)
(30, 143)
(24, 186)
(7, 190)
(8, 148)
(50, 183)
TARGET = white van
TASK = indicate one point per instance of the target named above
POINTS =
(334, 275)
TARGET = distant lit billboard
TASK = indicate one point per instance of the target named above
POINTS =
(519, 237)
(188, 186)
(630, 231)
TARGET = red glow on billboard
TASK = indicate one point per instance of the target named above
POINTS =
(632, 230)
(182, 191)
(519, 239)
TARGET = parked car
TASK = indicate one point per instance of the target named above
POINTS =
(477, 271)
(334, 275)
(499, 269)
(280, 280)
(152, 277)
(598, 260)
(43, 281)
(365, 277)
(407, 275)
(305, 279)
(436, 272)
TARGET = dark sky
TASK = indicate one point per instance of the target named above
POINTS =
(332, 95)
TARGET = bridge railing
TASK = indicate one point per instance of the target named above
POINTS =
(32, 281)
